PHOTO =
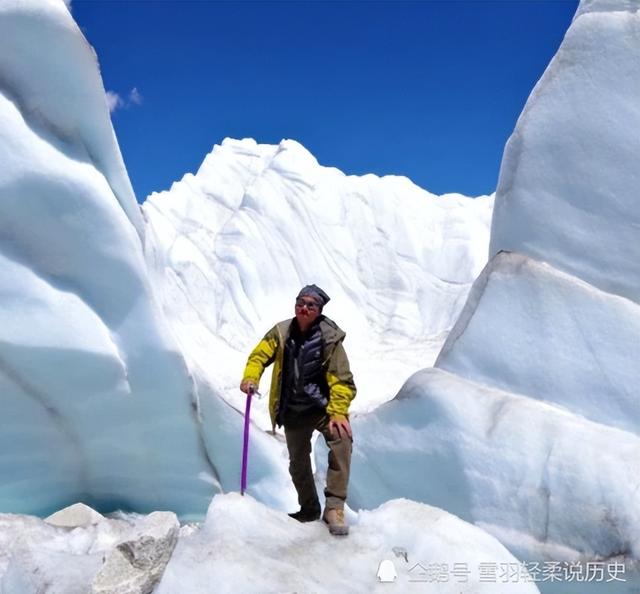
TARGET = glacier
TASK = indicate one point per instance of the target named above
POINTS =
(585, 358)
(98, 403)
(527, 424)
(229, 248)
(124, 331)
(110, 397)
(569, 180)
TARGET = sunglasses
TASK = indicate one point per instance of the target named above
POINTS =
(308, 304)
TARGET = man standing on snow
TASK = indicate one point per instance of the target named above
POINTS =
(311, 389)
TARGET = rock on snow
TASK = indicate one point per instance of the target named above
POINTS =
(106, 556)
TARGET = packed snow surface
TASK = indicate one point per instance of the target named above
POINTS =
(244, 546)
(247, 547)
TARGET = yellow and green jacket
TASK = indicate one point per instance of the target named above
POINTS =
(270, 349)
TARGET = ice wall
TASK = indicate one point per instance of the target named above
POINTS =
(568, 188)
(553, 337)
(529, 423)
(60, 92)
(544, 480)
(97, 402)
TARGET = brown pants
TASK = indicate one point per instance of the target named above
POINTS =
(298, 435)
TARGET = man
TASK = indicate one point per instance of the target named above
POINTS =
(311, 389)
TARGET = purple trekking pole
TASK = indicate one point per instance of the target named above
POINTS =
(245, 443)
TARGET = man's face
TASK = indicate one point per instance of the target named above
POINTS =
(307, 310)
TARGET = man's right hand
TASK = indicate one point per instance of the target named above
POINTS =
(248, 386)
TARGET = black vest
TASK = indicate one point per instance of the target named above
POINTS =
(304, 386)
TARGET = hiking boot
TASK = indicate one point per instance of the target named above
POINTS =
(306, 515)
(335, 519)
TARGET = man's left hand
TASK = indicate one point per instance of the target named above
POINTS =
(340, 425)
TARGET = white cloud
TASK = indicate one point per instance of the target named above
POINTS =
(135, 97)
(114, 101)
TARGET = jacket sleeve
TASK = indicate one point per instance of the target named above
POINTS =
(342, 389)
(262, 356)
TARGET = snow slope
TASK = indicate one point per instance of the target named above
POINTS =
(231, 246)
(96, 399)
(248, 548)
(244, 546)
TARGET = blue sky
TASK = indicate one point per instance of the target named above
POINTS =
(427, 89)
